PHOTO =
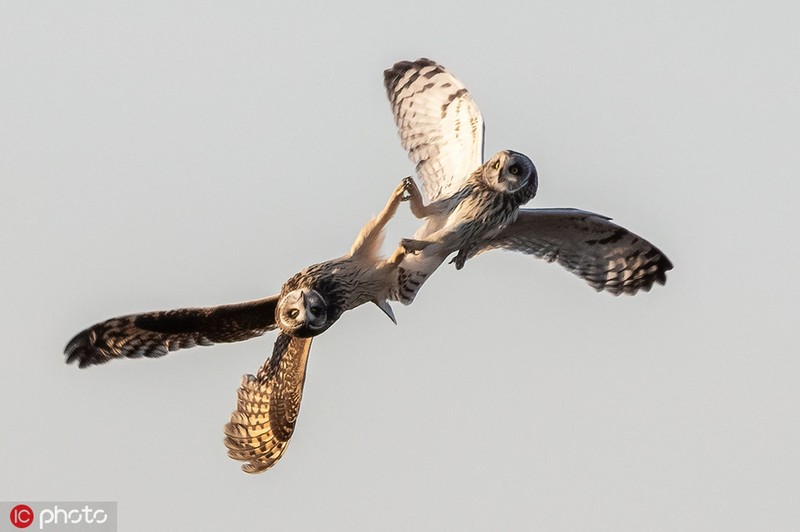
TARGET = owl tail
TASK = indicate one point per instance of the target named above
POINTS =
(412, 273)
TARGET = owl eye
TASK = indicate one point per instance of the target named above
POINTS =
(514, 169)
(316, 311)
(293, 313)
(497, 165)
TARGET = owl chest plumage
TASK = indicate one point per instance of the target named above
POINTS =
(481, 213)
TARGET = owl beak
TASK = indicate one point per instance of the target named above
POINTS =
(303, 297)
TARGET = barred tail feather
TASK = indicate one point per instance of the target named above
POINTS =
(412, 274)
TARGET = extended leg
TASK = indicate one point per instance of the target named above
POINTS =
(414, 246)
(370, 237)
(461, 257)
(448, 238)
(418, 208)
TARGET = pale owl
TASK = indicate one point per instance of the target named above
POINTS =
(474, 206)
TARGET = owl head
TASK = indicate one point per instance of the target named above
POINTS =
(508, 171)
(302, 313)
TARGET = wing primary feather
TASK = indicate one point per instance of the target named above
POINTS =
(154, 334)
(439, 124)
(267, 406)
(609, 257)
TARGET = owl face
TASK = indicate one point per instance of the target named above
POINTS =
(302, 313)
(507, 171)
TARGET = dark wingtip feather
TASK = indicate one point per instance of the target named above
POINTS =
(81, 350)
(658, 276)
(393, 74)
(664, 265)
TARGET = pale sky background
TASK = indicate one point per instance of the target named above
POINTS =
(163, 154)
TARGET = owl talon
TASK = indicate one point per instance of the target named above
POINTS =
(409, 188)
(414, 246)
(459, 259)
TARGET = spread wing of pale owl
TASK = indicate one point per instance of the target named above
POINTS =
(474, 206)
(440, 125)
(607, 256)
(309, 303)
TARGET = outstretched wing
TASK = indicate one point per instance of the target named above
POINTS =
(439, 124)
(607, 256)
(154, 334)
(267, 406)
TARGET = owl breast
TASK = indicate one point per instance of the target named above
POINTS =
(481, 214)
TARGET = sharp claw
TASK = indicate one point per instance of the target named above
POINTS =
(408, 247)
(414, 246)
(459, 260)
(409, 188)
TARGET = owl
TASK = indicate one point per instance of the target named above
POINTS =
(474, 206)
(308, 304)
(486, 203)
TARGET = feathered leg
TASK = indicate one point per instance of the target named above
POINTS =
(370, 238)
(418, 207)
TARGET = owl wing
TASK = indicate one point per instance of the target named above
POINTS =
(267, 406)
(439, 124)
(154, 334)
(607, 256)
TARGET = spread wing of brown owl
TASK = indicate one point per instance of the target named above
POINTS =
(267, 406)
(154, 334)
(474, 206)
(309, 303)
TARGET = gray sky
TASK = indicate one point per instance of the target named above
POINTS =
(162, 155)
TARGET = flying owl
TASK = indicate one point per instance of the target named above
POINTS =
(487, 202)
(308, 304)
(475, 206)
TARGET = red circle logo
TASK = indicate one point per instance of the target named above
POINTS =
(21, 516)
